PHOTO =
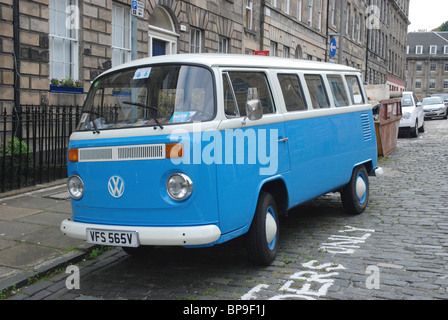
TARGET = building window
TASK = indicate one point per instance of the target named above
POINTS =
(433, 66)
(121, 34)
(249, 12)
(195, 40)
(418, 66)
(287, 3)
(310, 12)
(223, 45)
(432, 83)
(445, 49)
(446, 66)
(407, 50)
(285, 52)
(432, 49)
(274, 47)
(319, 10)
(445, 83)
(299, 10)
(333, 12)
(418, 83)
(63, 40)
(418, 49)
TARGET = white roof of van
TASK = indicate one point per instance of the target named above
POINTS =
(236, 60)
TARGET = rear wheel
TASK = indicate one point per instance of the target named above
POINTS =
(355, 195)
(263, 234)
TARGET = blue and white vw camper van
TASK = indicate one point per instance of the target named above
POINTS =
(195, 150)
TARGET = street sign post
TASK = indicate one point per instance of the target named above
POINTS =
(138, 8)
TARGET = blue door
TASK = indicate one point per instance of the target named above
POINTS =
(158, 47)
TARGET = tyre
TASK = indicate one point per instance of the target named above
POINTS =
(263, 236)
(355, 195)
(422, 128)
(414, 131)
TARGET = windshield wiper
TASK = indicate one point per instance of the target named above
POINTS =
(145, 107)
(95, 127)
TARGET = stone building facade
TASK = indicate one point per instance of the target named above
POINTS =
(41, 40)
(386, 43)
(427, 63)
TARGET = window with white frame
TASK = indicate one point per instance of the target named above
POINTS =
(287, 4)
(121, 34)
(195, 40)
(299, 10)
(223, 45)
(432, 49)
(63, 38)
(418, 66)
(445, 83)
(418, 83)
(433, 65)
(310, 12)
(286, 52)
(418, 49)
(274, 47)
(319, 11)
(446, 66)
(445, 49)
(432, 83)
(249, 13)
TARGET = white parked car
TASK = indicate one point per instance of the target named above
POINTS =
(434, 107)
(413, 119)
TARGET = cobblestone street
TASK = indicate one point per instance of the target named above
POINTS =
(397, 249)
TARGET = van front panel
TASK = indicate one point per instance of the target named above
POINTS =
(133, 192)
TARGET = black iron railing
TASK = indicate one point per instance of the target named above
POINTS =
(33, 145)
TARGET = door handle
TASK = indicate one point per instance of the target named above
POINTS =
(283, 139)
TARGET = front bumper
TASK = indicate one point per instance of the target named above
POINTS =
(169, 236)
(436, 113)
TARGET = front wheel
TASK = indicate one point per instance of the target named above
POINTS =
(355, 195)
(414, 131)
(263, 234)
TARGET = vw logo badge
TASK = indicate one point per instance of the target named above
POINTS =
(116, 186)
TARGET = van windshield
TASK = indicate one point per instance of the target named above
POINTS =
(149, 96)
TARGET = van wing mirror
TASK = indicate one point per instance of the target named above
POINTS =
(254, 110)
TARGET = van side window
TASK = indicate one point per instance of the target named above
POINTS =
(251, 85)
(355, 89)
(338, 90)
(292, 92)
(318, 94)
(230, 106)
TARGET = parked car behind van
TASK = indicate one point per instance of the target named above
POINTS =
(434, 107)
(413, 120)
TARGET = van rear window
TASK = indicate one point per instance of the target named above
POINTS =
(318, 94)
(355, 89)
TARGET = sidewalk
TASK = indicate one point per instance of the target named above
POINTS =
(31, 243)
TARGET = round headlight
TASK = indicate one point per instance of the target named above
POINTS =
(75, 187)
(179, 186)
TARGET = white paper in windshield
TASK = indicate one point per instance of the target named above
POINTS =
(142, 73)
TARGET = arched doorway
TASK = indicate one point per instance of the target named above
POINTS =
(162, 33)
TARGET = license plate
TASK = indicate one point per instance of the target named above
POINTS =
(113, 237)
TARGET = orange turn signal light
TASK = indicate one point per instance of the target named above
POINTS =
(73, 155)
(174, 150)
